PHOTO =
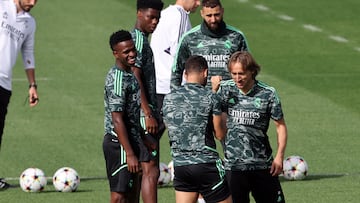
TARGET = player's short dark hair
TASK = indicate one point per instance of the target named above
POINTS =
(195, 63)
(145, 4)
(119, 36)
(247, 61)
(211, 3)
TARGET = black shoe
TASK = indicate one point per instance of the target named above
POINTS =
(4, 185)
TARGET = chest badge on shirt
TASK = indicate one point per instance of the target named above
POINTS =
(257, 103)
(5, 15)
(227, 44)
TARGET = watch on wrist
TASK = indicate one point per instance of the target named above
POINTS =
(33, 85)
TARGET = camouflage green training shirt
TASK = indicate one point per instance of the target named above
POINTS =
(145, 61)
(122, 94)
(247, 145)
(188, 114)
(216, 48)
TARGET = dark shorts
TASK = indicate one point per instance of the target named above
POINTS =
(264, 187)
(207, 179)
(120, 179)
(160, 99)
(149, 154)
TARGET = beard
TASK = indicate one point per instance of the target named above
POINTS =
(25, 8)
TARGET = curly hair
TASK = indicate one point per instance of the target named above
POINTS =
(145, 4)
(119, 36)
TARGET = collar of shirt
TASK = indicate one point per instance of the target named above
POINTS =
(221, 31)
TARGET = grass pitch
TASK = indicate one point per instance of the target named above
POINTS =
(309, 51)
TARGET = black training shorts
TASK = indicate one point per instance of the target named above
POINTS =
(207, 179)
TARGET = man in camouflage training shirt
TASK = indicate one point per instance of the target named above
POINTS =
(122, 144)
(192, 113)
(147, 18)
(250, 104)
(213, 39)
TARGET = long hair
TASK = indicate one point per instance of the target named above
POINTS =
(247, 61)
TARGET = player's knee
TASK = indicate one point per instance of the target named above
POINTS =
(228, 200)
(151, 173)
(117, 197)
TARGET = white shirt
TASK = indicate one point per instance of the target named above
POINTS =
(174, 22)
(17, 32)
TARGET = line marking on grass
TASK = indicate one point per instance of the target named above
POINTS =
(261, 7)
(338, 39)
(309, 27)
(37, 79)
(312, 28)
(286, 17)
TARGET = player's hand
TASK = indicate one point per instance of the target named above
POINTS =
(151, 125)
(215, 82)
(276, 167)
(33, 97)
(133, 163)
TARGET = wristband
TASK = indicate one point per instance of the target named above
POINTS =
(33, 85)
(149, 116)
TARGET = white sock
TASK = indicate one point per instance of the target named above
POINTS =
(201, 200)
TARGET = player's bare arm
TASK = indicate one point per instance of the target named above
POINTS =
(120, 130)
(277, 165)
(219, 127)
(150, 121)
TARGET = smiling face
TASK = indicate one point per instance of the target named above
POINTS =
(147, 20)
(243, 78)
(125, 54)
(212, 16)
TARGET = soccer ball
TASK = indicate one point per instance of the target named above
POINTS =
(295, 168)
(171, 167)
(32, 180)
(165, 175)
(66, 179)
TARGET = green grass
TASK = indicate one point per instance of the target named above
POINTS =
(317, 79)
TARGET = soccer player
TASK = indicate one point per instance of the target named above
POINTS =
(148, 15)
(192, 114)
(174, 22)
(122, 144)
(213, 39)
(17, 32)
(250, 104)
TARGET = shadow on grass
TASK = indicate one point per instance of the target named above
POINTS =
(77, 191)
(14, 186)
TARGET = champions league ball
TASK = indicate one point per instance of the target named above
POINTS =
(66, 179)
(32, 180)
(165, 174)
(295, 168)
(171, 167)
